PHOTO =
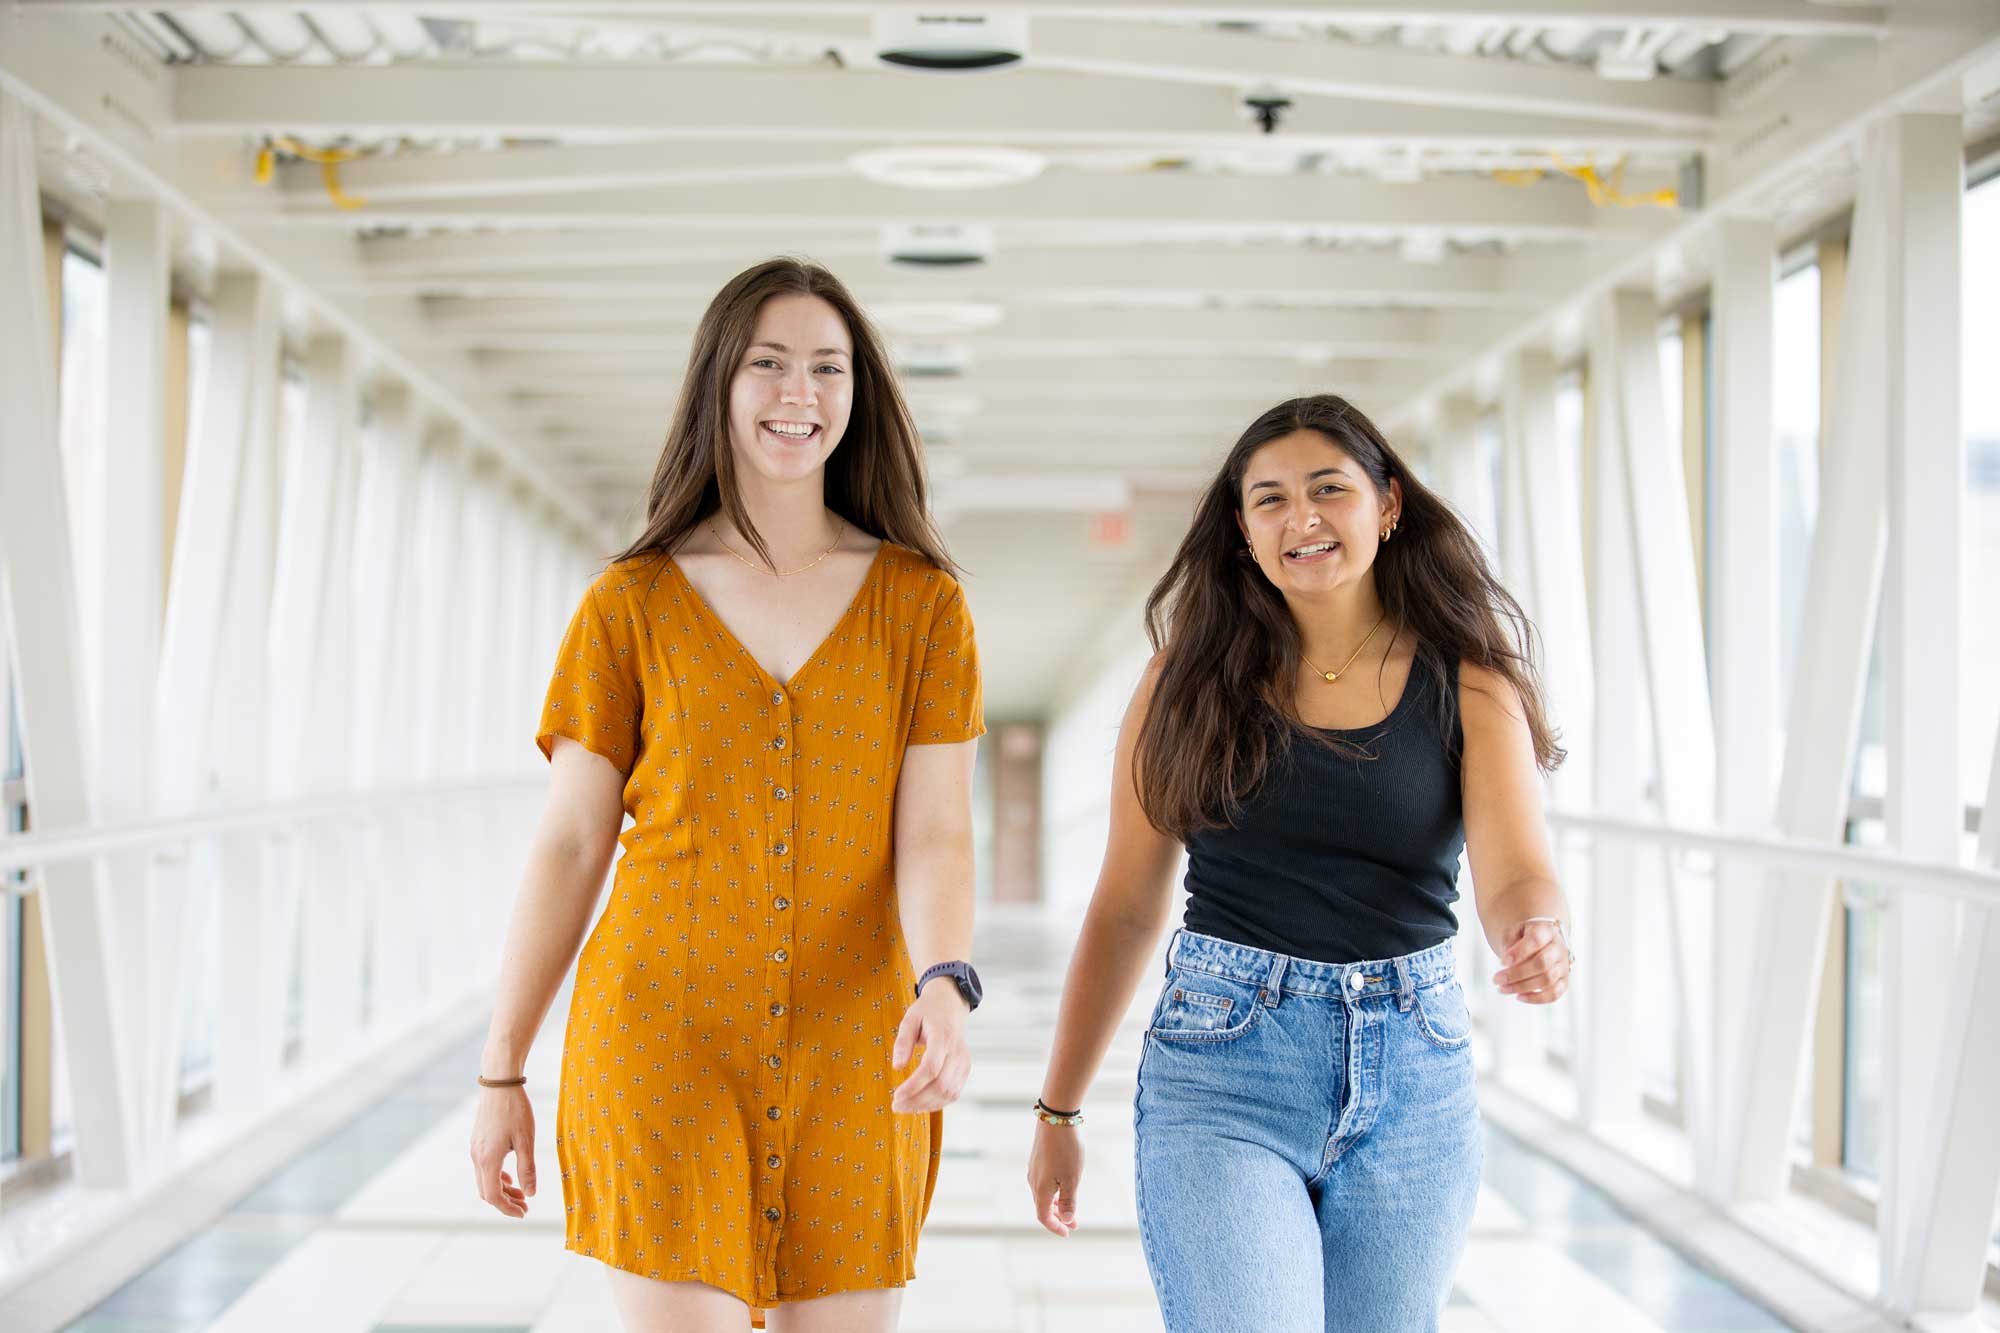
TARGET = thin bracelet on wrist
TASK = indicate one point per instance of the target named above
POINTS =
(1050, 1116)
(517, 1081)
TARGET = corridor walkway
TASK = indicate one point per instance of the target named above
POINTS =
(377, 1228)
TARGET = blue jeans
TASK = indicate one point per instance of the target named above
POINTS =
(1308, 1140)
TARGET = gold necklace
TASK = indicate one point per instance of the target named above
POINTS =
(1335, 675)
(781, 573)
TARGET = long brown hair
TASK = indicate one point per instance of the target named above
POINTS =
(874, 477)
(1224, 706)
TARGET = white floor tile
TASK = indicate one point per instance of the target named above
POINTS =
(475, 1278)
(336, 1282)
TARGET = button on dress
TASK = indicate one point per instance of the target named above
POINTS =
(724, 1109)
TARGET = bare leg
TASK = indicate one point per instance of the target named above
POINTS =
(647, 1305)
(842, 1312)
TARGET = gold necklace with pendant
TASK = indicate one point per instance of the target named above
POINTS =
(1335, 675)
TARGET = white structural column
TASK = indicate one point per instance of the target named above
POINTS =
(381, 689)
(1552, 537)
(1925, 488)
(1549, 536)
(1513, 1029)
(1788, 923)
(1744, 587)
(1951, 1197)
(258, 900)
(302, 648)
(128, 601)
(1465, 479)
(427, 668)
(1608, 1087)
(1670, 625)
(35, 600)
(1517, 568)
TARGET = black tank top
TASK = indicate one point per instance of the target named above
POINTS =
(1339, 859)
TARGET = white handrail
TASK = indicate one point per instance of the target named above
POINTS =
(18, 851)
(1886, 869)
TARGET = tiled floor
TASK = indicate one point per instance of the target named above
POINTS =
(377, 1229)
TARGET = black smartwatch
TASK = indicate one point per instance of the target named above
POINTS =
(962, 976)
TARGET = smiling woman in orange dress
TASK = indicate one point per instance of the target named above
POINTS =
(778, 683)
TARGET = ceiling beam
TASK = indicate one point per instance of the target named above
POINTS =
(695, 102)
(1128, 273)
(473, 322)
(1772, 16)
(1164, 201)
(584, 381)
(1381, 71)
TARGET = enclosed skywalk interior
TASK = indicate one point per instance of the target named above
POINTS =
(337, 344)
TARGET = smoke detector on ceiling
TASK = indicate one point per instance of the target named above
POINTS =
(950, 43)
(937, 245)
(931, 360)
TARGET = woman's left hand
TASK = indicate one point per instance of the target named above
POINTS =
(937, 1023)
(1535, 965)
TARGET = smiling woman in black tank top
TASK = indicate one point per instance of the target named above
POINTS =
(1343, 698)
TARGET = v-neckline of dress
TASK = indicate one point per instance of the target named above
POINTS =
(812, 660)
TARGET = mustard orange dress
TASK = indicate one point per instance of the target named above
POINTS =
(724, 1110)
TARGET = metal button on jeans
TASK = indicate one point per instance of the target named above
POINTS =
(1355, 981)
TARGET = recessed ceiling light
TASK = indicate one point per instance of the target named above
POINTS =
(934, 318)
(950, 43)
(947, 168)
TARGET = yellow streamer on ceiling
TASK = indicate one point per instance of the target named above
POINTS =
(329, 160)
(1603, 193)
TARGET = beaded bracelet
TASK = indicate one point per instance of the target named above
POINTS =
(515, 1082)
(1048, 1115)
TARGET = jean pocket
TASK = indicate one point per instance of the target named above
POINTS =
(1442, 1016)
(1195, 1006)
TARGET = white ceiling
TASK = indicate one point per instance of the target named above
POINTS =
(549, 192)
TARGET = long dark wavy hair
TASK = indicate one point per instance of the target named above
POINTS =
(874, 477)
(1224, 705)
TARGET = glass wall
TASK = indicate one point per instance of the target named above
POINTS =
(1979, 628)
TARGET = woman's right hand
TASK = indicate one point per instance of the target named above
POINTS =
(1055, 1165)
(504, 1123)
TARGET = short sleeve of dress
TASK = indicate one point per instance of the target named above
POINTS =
(594, 696)
(950, 705)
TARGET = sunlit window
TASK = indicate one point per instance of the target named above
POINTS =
(1978, 627)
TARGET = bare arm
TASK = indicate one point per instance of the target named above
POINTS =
(567, 860)
(1128, 910)
(1506, 840)
(934, 905)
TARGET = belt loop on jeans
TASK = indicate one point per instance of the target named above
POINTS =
(1274, 984)
(1173, 943)
(1405, 989)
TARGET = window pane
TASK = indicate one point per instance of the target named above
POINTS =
(1796, 352)
(1670, 382)
(1979, 629)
